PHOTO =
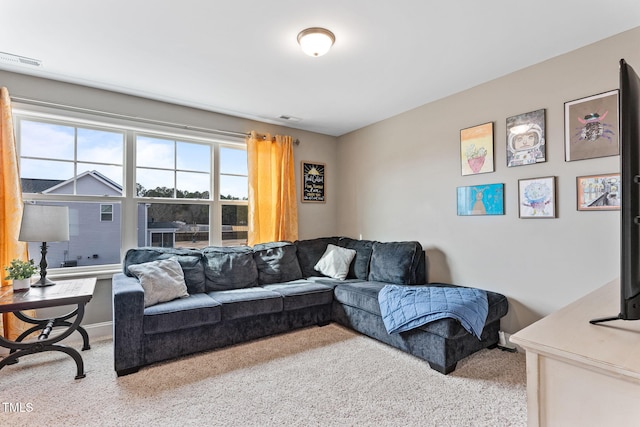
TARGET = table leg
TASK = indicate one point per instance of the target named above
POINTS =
(44, 343)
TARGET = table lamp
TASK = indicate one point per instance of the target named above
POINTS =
(42, 223)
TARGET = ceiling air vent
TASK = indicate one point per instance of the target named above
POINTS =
(9, 58)
(289, 118)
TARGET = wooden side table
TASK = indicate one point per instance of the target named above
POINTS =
(65, 292)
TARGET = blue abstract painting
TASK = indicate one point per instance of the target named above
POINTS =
(485, 199)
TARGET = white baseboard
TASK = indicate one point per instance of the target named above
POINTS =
(96, 331)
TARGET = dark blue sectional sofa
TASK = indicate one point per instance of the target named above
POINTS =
(236, 294)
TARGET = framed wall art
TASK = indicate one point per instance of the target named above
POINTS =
(476, 149)
(481, 200)
(313, 182)
(591, 127)
(599, 192)
(526, 139)
(537, 197)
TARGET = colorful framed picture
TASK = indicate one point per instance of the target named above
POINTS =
(537, 197)
(526, 139)
(481, 200)
(599, 192)
(591, 127)
(313, 182)
(476, 149)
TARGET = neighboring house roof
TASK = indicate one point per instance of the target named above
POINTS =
(33, 185)
(94, 174)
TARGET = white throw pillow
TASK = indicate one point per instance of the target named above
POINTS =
(335, 262)
(162, 280)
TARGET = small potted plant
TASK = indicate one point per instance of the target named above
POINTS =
(20, 272)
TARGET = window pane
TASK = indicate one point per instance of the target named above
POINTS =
(91, 241)
(233, 161)
(100, 146)
(155, 152)
(106, 212)
(194, 157)
(46, 140)
(53, 177)
(193, 185)
(234, 225)
(234, 187)
(154, 183)
(46, 169)
(173, 225)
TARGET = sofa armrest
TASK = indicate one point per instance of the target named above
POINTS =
(128, 313)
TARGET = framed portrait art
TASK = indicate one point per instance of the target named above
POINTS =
(591, 127)
(526, 139)
(599, 192)
(537, 197)
(476, 149)
(481, 200)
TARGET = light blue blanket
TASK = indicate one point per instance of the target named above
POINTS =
(407, 307)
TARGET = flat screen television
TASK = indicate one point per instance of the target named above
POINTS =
(630, 183)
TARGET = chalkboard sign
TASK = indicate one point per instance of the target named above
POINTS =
(313, 182)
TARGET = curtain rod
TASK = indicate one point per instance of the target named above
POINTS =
(133, 118)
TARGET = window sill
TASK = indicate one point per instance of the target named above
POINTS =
(100, 274)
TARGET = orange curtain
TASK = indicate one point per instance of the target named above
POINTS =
(10, 207)
(273, 209)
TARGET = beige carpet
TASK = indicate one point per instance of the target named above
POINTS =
(312, 377)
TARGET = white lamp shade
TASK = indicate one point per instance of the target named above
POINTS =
(42, 223)
(316, 41)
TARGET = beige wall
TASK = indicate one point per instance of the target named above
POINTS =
(398, 181)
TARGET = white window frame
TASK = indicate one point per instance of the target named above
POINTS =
(110, 213)
(129, 200)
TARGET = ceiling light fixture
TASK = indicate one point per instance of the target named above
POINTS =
(316, 41)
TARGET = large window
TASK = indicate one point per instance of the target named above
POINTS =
(175, 190)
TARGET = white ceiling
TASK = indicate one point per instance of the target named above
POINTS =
(241, 56)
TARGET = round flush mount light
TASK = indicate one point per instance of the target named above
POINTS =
(316, 41)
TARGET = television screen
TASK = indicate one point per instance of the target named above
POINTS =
(630, 169)
(630, 209)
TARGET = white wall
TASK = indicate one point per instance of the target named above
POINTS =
(398, 181)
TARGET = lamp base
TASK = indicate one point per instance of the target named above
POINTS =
(42, 283)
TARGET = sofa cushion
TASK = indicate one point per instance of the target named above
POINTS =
(335, 262)
(359, 268)
(301, 294)
(190, 312)
(362, 295)
(230, 267)
(239, 303)
(161, 280)
(277, 262)
(310, 251)
(190, 260)
(396, 262)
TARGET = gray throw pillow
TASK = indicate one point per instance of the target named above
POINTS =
(161, 280)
